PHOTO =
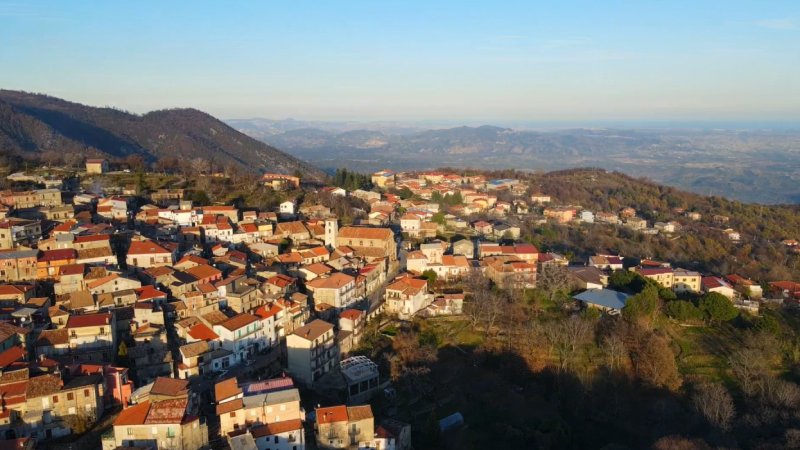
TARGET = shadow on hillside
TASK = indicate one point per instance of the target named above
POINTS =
(84, 132)
(506, 405)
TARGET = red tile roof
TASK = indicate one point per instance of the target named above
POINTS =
(88, 320)
(238, 321)
(226, 389)
(135, 415)
(202, 332)
(57, 255)
(272, 429)
(332, 414)
(145, 248)
(148, 293)
(169, 386)
(11, 355)
(350, 314)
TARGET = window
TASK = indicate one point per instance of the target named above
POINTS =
(276, 439)
(233, 414)
(70, 396)
(72, 410)
(154, 431)
(283, 407)
(130, 431)
(55, 399)
(85, 392)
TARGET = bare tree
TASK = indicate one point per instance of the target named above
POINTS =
(200, 165)
(613, 347)
(553, 279)
(780, 393)
(750, 362)
(484, 307)
(566, 336)
(749, 367)
(715, 403)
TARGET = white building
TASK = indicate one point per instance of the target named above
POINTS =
(289, 207)
(241, 334)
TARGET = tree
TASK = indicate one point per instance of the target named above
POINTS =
(200, 198)
(642, 306)
(654, 362)
(439, 218)
(717, 308)
(406, 193)
(430, 275)
(768, 324)
(136, 163)
(714, 402)
(682, 311)
(122, 354)
(436, 197)
(621, 278)
(613, 347)
(667, 294)
(553, 279)
(565, 336)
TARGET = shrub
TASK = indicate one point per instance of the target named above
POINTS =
(682, 311)
(717, 307)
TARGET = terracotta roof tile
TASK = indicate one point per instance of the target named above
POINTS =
(169, 386)
(226, 389)
(167, 411)
(238, 321)
(135, 415)
(233, 405)
(332, 414)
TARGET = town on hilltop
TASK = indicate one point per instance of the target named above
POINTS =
(197, 308)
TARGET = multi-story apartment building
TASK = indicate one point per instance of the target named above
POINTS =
(686, 281)
(266, 402)
(92, 337)
(312, 351)
(241, 334)
(16, 232)
(19, 265)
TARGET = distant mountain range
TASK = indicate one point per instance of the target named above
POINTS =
(754, 165)
(38, 123)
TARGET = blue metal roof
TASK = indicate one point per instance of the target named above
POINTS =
(604, 297)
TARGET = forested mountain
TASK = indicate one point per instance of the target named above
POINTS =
(40, 123)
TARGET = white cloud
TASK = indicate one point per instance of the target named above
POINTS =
(780, 24)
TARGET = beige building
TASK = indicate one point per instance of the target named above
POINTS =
(345, 427)
(312, 351)
(370, 243)
(258, 403)
(96, 166)
(161, 422)
(664, 277)
(686, 281)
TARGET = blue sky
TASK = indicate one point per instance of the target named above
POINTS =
(414, 60)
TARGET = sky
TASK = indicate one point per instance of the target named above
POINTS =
(573, 61)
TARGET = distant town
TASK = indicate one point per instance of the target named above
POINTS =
(138, 317)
